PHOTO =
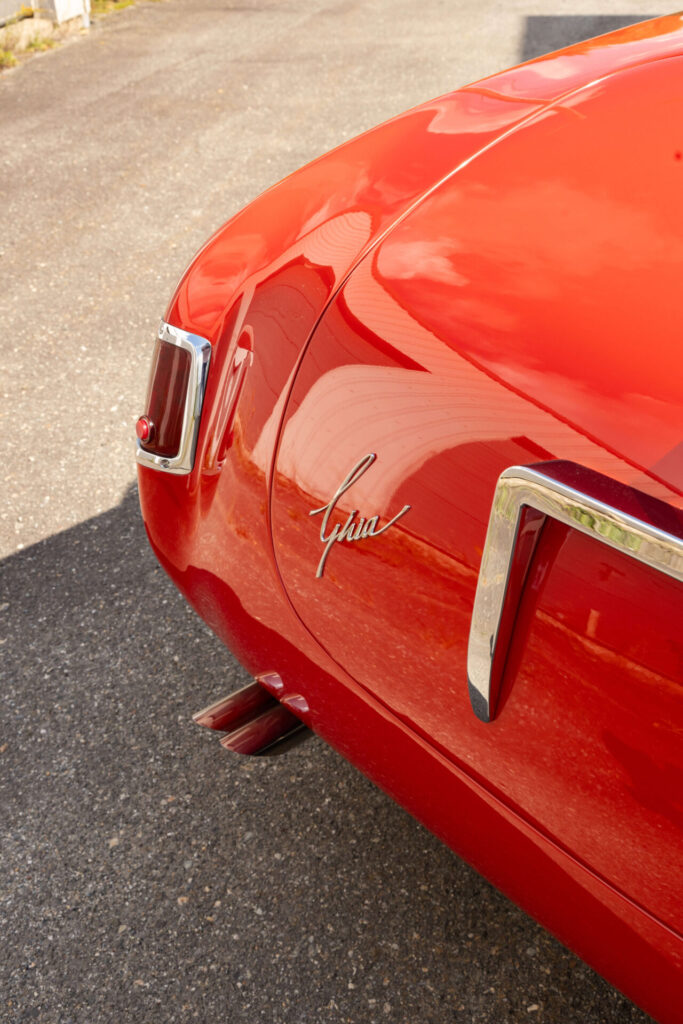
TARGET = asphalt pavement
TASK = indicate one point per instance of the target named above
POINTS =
(145, 875)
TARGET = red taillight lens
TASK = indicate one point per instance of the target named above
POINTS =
(166, 399)
(169, 427)
(144, 428)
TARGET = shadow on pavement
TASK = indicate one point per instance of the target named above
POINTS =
(147, 876)
(544, 33)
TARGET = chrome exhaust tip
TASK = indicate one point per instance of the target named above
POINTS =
(254, 722)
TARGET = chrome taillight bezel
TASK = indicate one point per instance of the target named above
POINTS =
(200, 355)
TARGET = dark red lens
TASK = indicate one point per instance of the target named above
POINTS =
(166, 400)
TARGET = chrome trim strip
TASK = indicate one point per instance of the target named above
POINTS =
(501, 578)
(200, 350)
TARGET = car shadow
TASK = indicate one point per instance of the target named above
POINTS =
(148, 875)
(544, 33)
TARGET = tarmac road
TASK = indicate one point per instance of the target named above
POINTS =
(146, 876)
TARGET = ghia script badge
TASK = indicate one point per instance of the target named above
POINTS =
(353, 529)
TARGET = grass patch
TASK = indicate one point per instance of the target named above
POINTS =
(98, 7)
(7, 59)
(23, 12)
(106, 6)
(40, 45)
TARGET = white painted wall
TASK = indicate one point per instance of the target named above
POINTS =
(64, 10)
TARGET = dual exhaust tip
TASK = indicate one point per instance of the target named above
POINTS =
(254, 721)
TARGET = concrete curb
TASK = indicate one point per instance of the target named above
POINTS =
(18, 36)
(24, 31)
(59, 11)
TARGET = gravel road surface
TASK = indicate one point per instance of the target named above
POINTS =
(145, 875)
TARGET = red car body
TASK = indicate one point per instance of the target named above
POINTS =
(490, 280)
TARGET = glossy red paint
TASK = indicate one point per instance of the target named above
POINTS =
(445, 349)
(514, 298)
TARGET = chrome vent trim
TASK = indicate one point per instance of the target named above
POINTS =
(524, 497)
